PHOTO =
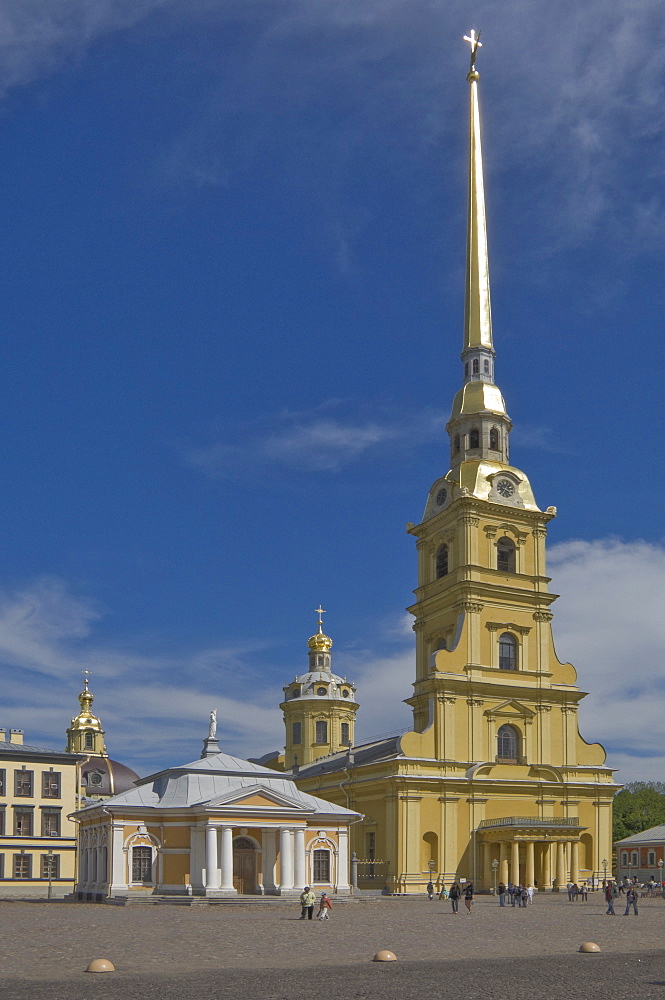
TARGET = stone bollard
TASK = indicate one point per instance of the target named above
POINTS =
(589, 948)
(101, 965)
(385, 956)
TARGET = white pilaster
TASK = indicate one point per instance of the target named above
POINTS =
(299, 875)
(227, 858)
(118, 858)
(285, 859)
(342, 875)
(211, 880)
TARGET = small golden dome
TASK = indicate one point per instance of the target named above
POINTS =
(320, 643)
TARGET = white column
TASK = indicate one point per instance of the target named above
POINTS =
(269, 857)
(118, 864)
(285, 859)
(299, 876)
(227, 857)
(211, 858)
(342, 874)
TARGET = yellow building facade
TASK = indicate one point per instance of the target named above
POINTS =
(494, 783)
(38, 789)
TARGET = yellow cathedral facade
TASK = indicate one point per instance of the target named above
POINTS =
(494, 782)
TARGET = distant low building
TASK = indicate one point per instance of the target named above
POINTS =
(38, 789)
(642, 855)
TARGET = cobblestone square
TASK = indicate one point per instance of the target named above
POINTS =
(266, 951)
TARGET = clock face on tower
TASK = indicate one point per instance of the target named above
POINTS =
(505, 488)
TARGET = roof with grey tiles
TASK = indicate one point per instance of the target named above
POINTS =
(654, 833)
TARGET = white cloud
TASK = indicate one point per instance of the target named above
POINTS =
(315, 440)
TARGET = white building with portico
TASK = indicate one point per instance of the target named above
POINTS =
(219, 826)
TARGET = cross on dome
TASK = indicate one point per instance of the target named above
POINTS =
(475, 43)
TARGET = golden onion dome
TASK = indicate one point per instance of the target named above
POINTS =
(320, 643)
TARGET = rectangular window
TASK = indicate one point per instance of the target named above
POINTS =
(322, 732)
(297, 732)
(51, 784)
(50, 822)
(652, 858)
(2, 781)
(371, 846)
(2, 822)
(23, 822)
(22, 866)
(2, 866)
(142, 864)
(23, 783)
(50, 866)
(345, 734)
(321, 866)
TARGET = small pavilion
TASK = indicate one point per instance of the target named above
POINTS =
(219, 826)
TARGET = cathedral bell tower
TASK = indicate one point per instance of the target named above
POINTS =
(319, 707)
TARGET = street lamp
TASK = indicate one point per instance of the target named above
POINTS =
(660, 865)
(495, 866)
(604, 864)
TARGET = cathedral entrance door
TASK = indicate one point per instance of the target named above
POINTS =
(244, 866)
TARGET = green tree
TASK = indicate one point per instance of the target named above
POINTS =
(639, 806)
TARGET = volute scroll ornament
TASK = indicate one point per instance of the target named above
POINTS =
(543, 616)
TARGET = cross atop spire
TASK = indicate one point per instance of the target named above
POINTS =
(320, 612)
(475, 43)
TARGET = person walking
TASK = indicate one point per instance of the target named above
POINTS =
(530, 891)
(611, 893)
(502, 894)
(631, 900)
(454, 895)
(430, 890)
(307, 900)
(324, 907)
(468, 896)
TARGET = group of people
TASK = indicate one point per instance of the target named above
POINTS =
(454, 894)
(614, 891)
(307, 901)
(576, 892)
(517, 895)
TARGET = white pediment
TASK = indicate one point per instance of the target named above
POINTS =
(511, 709)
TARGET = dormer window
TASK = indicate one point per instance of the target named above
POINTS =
(321, 690)
(474, 438)
(295, 693)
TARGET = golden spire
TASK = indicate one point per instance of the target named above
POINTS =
(477, 308)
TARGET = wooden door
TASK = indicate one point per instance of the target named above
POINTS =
(244, 868)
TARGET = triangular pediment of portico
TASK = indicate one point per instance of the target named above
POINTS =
(511, 709)
(256, 797)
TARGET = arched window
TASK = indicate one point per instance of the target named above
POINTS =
(89, 742)
(508, 744)
(474, 438)
(322, 732)
(507, 652)
(321, 866)
(486, 366)
(457, 444)
(441, 561)
(494, 439)
(142, 865)
(505, 555)
(476, 366)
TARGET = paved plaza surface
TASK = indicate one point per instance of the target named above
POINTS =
(266, 951)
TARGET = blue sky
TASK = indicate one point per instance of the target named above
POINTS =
(232, 253)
